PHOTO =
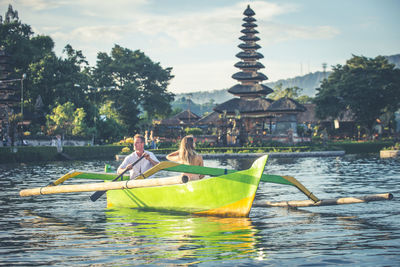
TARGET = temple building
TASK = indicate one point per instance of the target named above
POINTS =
(251, 113)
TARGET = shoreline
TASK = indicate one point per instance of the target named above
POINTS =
(339, 153)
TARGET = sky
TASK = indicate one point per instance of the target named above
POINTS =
(199, 39)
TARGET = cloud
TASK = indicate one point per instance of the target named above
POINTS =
(195, 77)
(92, 34)
(273, 33)
(36, 5)
(112, 21)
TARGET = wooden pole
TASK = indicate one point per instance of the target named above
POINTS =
(103, 186)
(324, 202)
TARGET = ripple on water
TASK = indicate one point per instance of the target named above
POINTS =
(56, 229)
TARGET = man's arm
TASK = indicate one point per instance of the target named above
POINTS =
(150, 159)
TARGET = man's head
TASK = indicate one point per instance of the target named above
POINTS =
(138, 142)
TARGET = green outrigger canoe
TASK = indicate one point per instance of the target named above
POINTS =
(227, 193)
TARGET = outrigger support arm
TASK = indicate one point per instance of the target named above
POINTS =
(177, 167)
(269, 178)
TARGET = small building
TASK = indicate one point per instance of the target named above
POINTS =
(174, 126)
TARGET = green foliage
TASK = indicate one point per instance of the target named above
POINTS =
(279, 92)
(132, 82)
(394, 147)
(65, 119)
(193, 131)
(184, 103)
(365, 87)
(58, 80)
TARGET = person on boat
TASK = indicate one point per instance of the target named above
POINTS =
(187, 155)
(143, 165)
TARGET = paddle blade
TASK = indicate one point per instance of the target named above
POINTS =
(96, 195)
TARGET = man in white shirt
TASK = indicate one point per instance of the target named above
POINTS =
(148, 161)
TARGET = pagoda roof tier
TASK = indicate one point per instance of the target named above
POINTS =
(251, 31)
(249, 76)
(249, 65)
(249, 55)
(249, 25)
(244, 106)
(286, 104)
(249, 19)
(249, 12)
(240, 89)
(249, 46)
(249, 38)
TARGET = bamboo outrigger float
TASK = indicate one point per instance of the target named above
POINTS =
(227, 193)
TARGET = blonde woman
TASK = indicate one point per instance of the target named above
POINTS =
(187, 155)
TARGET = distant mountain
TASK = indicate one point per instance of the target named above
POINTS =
(395, 59)
(308, 83)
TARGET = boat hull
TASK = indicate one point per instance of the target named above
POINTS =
(228, 195)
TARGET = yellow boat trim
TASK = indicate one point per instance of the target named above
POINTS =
(239, 208)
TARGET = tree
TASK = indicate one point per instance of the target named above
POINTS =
(134, 84)
(60, 80)
(66, 119)
(18, 40)
(368, 87)
(279, 92)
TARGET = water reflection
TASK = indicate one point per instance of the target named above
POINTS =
(188, 239)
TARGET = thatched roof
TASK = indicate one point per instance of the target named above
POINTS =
(286, 104)
(249, 76)
(249, 55)
(187, 115)
(244, 105)
(211, 118)
(249, 19)
(181, 118)
(249, 65)
(240, 89)
(249, 12)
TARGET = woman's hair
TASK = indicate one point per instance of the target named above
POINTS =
(186, 150)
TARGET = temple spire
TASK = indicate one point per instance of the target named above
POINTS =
(249, 78)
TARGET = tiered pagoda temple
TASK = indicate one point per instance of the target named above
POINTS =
(251, 113)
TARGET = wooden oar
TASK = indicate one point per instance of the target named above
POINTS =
(96, 195)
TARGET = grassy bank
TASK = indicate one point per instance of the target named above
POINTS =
(42, 153)
(48, 153)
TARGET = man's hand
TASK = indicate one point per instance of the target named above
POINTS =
(146, 156)
(129, 167)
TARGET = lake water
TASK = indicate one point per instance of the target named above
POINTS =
(69, 229)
